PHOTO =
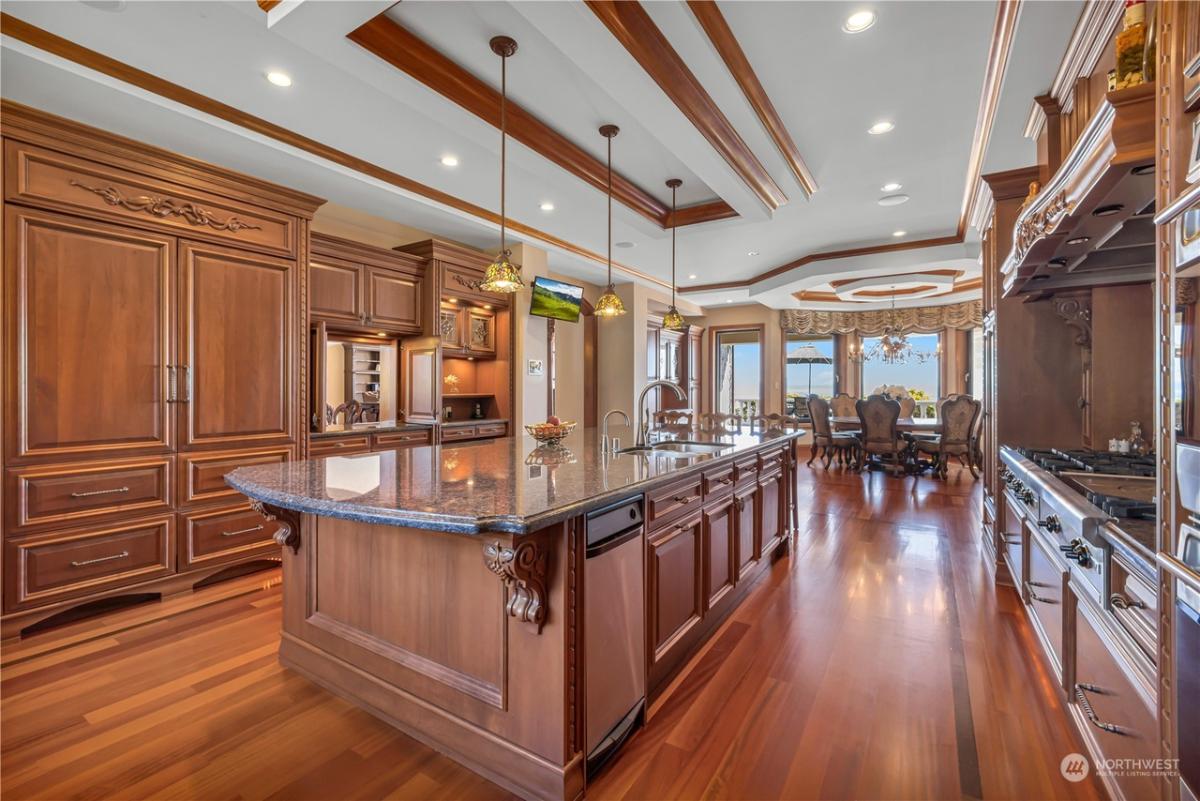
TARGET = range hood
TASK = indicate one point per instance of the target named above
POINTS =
(1093, 223)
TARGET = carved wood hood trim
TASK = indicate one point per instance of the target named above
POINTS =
(1119, 137)
(923, 320)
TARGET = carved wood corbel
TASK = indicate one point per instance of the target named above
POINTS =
(288, 533)
(523, 570)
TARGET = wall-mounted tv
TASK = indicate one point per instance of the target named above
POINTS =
(555, 299)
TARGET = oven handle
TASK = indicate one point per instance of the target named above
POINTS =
(1179, 570)
(1081, 691)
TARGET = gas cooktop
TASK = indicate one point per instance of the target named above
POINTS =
(1115, 464)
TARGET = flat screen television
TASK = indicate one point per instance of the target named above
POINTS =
(555, 299)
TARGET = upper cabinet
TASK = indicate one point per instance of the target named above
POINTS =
(362, 287)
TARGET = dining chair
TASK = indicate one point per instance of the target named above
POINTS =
(878, 415)
(674, 421)
(351, 410)
(843, 405)
(957, 438)
(907, 406)
(843, 447)
(717, 423)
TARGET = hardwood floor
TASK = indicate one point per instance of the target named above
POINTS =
(879, 661)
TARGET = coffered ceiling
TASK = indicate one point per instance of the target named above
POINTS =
(761, 108)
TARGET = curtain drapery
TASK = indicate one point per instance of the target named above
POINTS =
(921, 320)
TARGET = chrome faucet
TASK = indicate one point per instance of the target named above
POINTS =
(607, 445)
(643, 425)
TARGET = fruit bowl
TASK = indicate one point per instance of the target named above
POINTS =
(550, 433)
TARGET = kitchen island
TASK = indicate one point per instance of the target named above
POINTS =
(446, 589)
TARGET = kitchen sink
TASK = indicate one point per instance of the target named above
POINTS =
(676, 447)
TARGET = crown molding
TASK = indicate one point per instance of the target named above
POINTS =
(1097, 22)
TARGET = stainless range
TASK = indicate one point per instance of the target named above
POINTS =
(1063, 516)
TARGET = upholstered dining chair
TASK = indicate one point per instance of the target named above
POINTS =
(878, 415)
(717, 423)
(959, 414)
(907, 406)
(774, 422)
(826, 442)
(843, 405)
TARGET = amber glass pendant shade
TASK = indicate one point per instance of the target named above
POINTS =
(608, 304)
(502, 276)
(673, 320)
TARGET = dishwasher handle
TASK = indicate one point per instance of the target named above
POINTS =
(614, 541)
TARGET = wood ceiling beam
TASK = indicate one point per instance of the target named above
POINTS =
(637, 33)
(713, 22)
(66, 49)
(412, 55)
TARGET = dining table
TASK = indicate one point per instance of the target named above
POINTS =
(912, 425)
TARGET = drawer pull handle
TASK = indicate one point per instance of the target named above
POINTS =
(250, 530)
(740, 503)
(1029, 589)
(726, 480)
(90, 493)
(1081, 691)
(1122, 602)
(684, 499)
(99, 559)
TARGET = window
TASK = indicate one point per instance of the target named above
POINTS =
(921, 380)
(737, 360)
(808, 370)
(975, 376)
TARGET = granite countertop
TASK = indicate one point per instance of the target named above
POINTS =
(342, 429)
(509, 485)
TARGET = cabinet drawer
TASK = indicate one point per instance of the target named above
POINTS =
(1107, 694)
(1044, 594)
(718, 480)
(772, 460)
(332, 445)
(491, 430)
(663, 504)
(453, 433)
(224, 535)
(204, 474)
(395, 439)
(76, 562)
(745, 469)
(62, 493)
(1134, 603)
(47, 178)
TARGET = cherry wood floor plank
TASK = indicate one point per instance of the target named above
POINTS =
(878, 661)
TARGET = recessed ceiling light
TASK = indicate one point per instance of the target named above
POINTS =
(892, 200)
(729, 301)
(752, 253)
(890, 187)
(624, 244)
(881, 127)
(449, 160)
(692, 277)
(547, 206)
(1105, 211)
(859, 21)
(279, 78)
(1078, 240)
(899, 233)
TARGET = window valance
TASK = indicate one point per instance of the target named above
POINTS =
(922, 320)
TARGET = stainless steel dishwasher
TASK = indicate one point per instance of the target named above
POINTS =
(614, 629)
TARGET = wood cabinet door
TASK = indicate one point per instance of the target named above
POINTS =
(481, 331)
(745, 501)
(720, 528)
(239, 347)
(90, 329)
(393, 300)
(771, 511)
(335, 290)
(420, 379)
(675, 587)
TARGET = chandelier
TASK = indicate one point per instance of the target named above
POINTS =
(893, 346)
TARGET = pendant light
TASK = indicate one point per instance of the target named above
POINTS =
(502, 276)
(608, 304)
(673, 320)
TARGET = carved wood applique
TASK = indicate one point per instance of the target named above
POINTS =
(165, 207)
(1078, 315)
(1041, 222)
(523, 570)
(469, 283)
(288, 533)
